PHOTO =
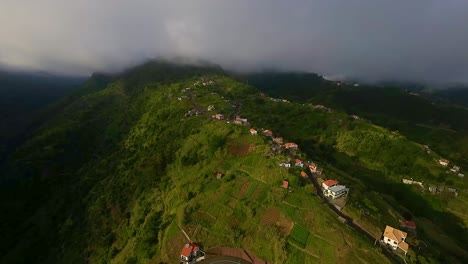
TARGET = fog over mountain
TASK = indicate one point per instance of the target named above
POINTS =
(422, 40)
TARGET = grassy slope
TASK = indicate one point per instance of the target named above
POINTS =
(117, 185)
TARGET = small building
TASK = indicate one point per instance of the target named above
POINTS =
(336, 191)
(395, 239)
(218, 117)
(278, 140)
(210, 107)
(291, 145)
(461, 175)
(285, 184)
(455, 169)
(355, 117)
(443, 162)
(219, 175)
(313, 167)
(189, 252)
(298, 163)
(329, 183)
(253, 132)
(268, 133)
(285, 164)
(303, 174)
(408, 225)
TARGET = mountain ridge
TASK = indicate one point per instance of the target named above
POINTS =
(142, 170)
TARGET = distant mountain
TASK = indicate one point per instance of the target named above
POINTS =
(22, 95)
(133, 162)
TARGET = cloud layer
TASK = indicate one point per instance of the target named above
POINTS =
(420, 40)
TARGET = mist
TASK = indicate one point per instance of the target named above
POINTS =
(421, 40)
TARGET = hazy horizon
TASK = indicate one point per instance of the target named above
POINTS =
(418, 41)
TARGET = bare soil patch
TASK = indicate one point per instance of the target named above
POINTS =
(243, 190)
(270, 217)
(239, 149)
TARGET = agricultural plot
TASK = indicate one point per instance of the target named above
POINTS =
(251, 189)
(270, 217)
(299, 236)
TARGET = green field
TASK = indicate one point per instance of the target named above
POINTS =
(299, 235)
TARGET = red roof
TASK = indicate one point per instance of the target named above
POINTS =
(285, 184)
(298, 161)
(188, 249)
(303, 174)
(330, 183)
(268, 132)
(289, 144)
(408, 223)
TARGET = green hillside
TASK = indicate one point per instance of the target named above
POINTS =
(116, 175)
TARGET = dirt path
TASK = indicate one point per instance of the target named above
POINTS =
(303, 250)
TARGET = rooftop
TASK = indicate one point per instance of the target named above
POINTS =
(330, 182)
(408, 223)
(337, 188)
(394, 234)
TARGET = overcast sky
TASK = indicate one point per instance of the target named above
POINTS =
(420, 40)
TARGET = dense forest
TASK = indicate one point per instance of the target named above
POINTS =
(115, 173)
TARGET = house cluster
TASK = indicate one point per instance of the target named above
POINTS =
(455, 169)
(241, 121)
(395, 238)
(322, 107)
(193, 112)
(288, 164)
(278, 100)
(442, 189)
(410, 181)
(333, 189)
(209, 82)
(190, 253)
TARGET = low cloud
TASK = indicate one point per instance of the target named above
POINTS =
(421, 40)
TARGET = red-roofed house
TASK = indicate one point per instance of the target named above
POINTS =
(395, 238)
(219, 175)
(298, 163)
(285, 184)
(290, 145)
(303, 174)
(253, 132)
(268, 133)
(189, 252)
(408, 225)
(328, 184)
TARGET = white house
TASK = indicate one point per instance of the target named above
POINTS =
(336, 191)
(443, 162)
(298, 163)
(285, 164)
(395, 238)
